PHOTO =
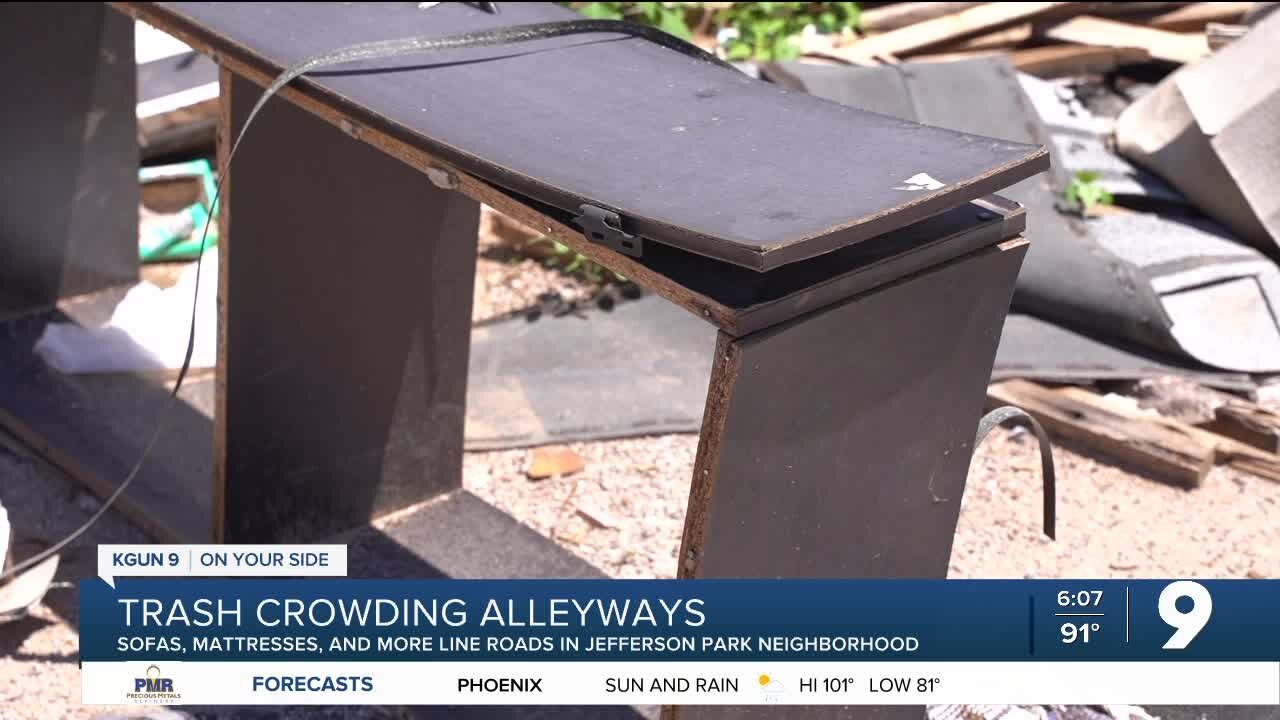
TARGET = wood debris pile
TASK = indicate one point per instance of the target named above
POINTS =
(1239, 434)
(1048, 39)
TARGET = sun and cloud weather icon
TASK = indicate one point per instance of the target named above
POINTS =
(771, 687)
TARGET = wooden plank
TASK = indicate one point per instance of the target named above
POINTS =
(998, 40)
(755, 301)
(1164, 448)
(347, 321)
(988, 16)
(901, 14)
(1247, 423)
(945, 57)
(1227, 451)
(1247, 459)
(69, 149)
(809, 446)
(1064, 60)
(1160, 44)
(1127, 8)
(821, 460)
(1128, 433)
(679, 124)
(726, 364)
(1052, 61)
(217, 480)
(1194, 16)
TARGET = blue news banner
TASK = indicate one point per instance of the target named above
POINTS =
(863, 630)
(951, 620)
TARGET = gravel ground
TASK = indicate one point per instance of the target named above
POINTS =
(39, 655)
(505, 284)
(508, 280)
(1112, 521)
(635, 492)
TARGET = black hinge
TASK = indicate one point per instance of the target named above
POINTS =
(604, 227)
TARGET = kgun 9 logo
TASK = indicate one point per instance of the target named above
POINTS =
(1188, 624)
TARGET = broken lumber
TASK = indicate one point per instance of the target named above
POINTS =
(1128, 8)
(1193, 17)
(956, 56)
(1149, 442)
(892, 17)
(1160, 44)
(1161, 445)
(1226, 451)
(1241, 456)
(1003, 39)
(1053, 61)
(1247, 423)
(984, 17)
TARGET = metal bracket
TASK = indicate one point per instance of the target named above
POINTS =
(604, 227)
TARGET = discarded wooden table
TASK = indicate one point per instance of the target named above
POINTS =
(858, 269)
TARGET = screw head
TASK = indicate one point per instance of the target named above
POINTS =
(442, 178)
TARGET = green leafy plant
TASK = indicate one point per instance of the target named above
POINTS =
(569, 261)
(762, 30)
(1086, 191)
(771, 30)
(668, 17)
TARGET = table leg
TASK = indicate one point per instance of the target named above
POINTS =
(836, 445)
(69, 178)
(345, 313)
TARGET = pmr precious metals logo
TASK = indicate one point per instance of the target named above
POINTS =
(154, 688)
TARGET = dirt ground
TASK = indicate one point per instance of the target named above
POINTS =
(625, 511)
(1113, 522)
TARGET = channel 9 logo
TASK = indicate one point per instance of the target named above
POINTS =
(1185, 606)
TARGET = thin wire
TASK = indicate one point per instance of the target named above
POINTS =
(1006, 413)
(161, 425)
(398, 47)
(360, 51)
